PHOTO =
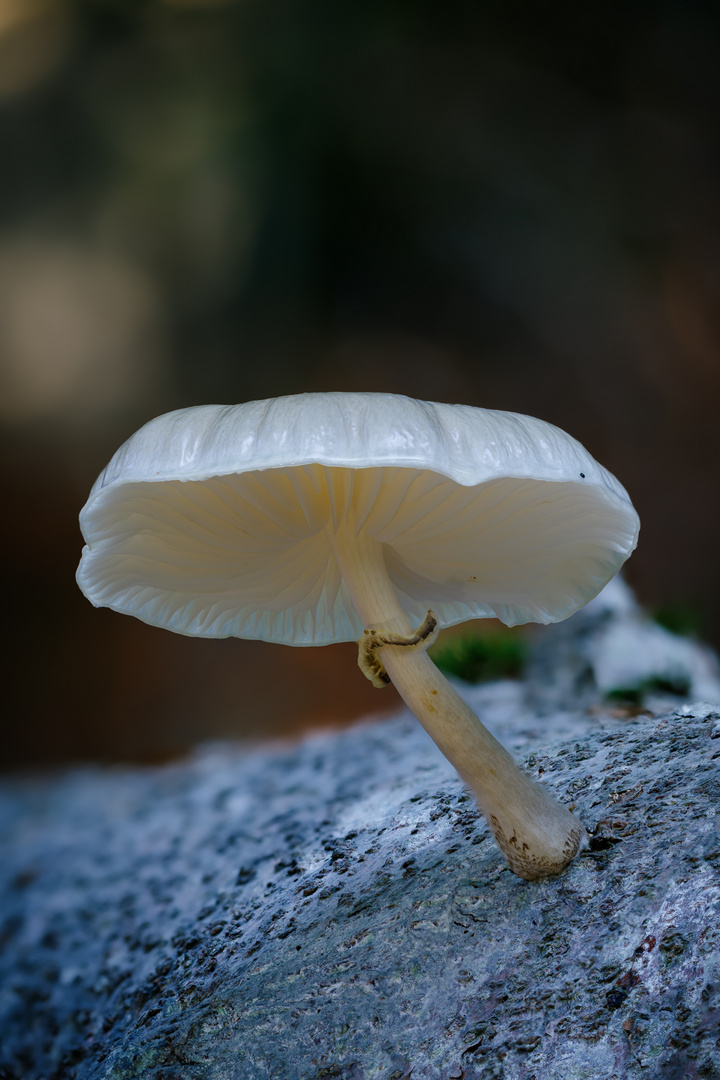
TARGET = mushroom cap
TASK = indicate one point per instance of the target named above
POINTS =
(213, 520)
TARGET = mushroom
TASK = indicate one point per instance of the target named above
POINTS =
(319, 518)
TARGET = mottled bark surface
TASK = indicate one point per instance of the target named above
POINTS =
(338, 908)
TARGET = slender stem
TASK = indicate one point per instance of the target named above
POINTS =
(537, 835)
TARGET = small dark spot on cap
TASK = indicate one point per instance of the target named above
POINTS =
(583, 475)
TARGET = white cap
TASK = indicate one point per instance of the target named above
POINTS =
(213, 520)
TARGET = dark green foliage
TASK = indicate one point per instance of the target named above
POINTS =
(481, 658)
(670, 683)
(684, 619)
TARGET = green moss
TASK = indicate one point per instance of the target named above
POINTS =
(683, 619)
(476, 658)
(677, 683)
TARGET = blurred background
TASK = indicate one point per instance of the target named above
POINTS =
(510, 205)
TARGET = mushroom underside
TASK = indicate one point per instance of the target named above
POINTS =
(251, 554)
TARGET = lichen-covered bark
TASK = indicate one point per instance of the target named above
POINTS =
(339, 909)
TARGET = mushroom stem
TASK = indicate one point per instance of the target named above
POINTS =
(536, 834)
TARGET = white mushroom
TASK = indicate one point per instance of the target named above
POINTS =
(320, 517)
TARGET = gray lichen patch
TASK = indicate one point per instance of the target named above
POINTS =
(339, 909)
